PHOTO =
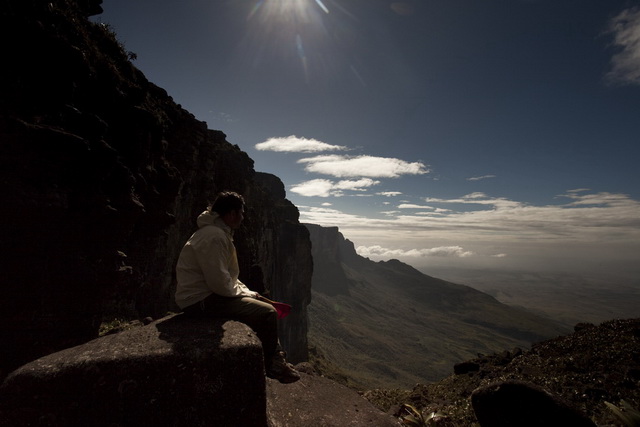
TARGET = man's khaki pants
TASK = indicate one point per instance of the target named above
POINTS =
(258, 315)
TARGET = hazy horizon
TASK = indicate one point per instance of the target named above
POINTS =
(567, 298)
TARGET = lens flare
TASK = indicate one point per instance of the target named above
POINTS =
(289, 32)
(322, 6)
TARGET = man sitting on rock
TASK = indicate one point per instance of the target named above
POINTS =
(208, 284)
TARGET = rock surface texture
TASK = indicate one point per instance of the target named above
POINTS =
(173, 372)
(585, 369)
(515, 403)
(317, 401)
(102, 176)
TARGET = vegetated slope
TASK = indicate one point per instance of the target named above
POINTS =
(386, 324)
(595, 364)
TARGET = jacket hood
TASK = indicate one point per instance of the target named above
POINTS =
(212, 218)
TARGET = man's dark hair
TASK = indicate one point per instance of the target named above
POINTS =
(226, 202)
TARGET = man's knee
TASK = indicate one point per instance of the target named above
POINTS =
(260, 309)
(269, 312)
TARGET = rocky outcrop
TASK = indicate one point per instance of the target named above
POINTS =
(176, 371)
(566, 376)
(102, 176)
(516, 403)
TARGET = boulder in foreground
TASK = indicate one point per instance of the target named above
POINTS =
(517, 403)
(172, 372)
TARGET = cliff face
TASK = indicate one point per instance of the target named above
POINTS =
(275, 253)
(330, 249)
(102, 176)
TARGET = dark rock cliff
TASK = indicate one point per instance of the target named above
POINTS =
(102, 176)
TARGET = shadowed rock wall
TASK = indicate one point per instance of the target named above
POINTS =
(102, 176)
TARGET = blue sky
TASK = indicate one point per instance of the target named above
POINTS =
(460, 134)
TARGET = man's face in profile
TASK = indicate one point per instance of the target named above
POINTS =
(235, 218)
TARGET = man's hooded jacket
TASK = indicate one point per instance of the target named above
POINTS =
(208, 264)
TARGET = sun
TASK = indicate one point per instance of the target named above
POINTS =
(287, 31)
(288, 10)
(309, 42)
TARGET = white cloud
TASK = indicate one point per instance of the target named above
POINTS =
(475, 196)
(603, 199)
(358, 185)
(477, 199)
(378, 251)
(327, 188)
(414, 206)
(222, 116)
(294, 144)
(314, 188)
(389, 193)
(478, 178)
(625, 64)
(362, 166)
(431, 213)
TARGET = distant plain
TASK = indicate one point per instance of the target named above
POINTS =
(564, 298)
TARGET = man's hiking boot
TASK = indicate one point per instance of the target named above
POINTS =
(281, 370)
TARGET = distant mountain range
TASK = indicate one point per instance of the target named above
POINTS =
(387, 325)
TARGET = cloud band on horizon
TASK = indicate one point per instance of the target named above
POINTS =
(590, 224)
(441, 251)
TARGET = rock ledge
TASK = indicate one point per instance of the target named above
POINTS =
(175, 371)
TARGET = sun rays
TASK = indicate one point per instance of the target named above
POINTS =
(297, 10)
(297, 35)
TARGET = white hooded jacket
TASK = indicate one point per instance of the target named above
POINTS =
(208, 264)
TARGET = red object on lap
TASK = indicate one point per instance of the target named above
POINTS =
(282, 309)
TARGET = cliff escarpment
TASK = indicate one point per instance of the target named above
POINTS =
(385, 324)
(102, 176)
(329, 250)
